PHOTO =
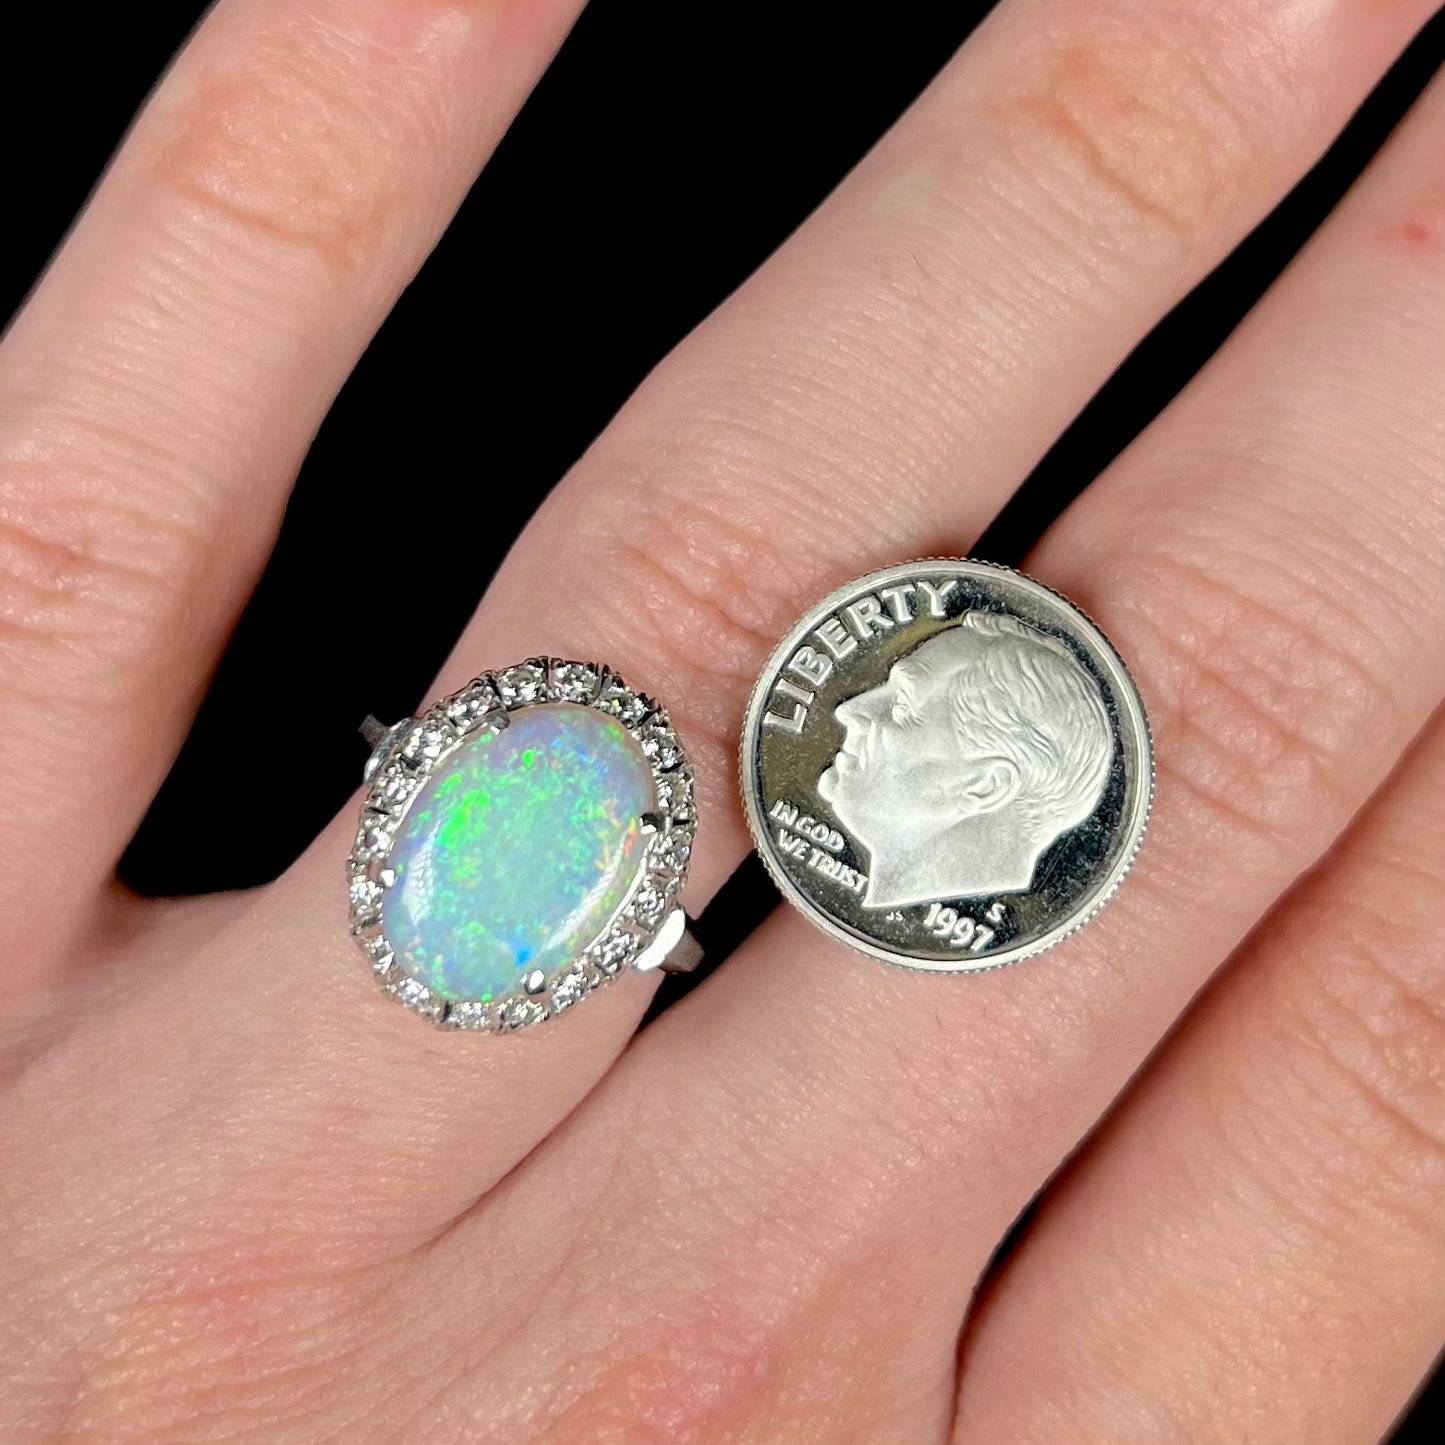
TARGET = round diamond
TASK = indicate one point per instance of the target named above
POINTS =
(417, 996)
(373, 838)
(365, 896)
(469, 1014)
(519, 1011)
(660, 743)
(426, 742)
(520, 685)
(674, 794)
(647, 905)
(572, 985)
(671, 851)
(395, 786)
(470, 706)
(573, 681)
(624, 704)
(610, 955)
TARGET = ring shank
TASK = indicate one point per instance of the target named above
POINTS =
(685, 957)
(674, 950)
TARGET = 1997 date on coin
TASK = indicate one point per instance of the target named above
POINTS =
(961, 930)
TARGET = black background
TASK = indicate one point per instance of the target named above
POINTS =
(667, 152)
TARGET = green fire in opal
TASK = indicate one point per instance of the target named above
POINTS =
(517, 852)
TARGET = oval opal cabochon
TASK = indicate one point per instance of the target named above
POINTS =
(518, 851)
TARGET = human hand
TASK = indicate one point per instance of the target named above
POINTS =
(247, 1199)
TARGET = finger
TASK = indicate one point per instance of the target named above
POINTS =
(159, 390)
(1254, 1248)
(905, 338)
(1287, 656)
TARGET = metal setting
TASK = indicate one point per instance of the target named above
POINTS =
(648, 930)
(946, 765)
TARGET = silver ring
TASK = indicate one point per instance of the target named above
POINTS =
(521, 844)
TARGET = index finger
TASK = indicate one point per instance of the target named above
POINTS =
(160, 388)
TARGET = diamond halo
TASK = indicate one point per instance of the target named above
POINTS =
(411, 750)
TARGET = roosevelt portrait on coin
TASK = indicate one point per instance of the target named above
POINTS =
(985, 744)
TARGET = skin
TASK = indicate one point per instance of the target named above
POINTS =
(766, 1218)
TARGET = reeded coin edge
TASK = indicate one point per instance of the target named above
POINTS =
(1128, 693)
(410, 754)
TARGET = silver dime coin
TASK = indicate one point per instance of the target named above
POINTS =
(947, 765)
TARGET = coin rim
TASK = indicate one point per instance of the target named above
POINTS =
(1126, 691)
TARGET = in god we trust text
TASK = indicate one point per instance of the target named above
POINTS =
(813, 842)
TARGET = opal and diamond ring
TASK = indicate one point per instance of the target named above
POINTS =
(521, 844)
